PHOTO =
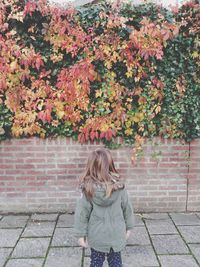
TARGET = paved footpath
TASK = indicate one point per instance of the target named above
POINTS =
(46, 240)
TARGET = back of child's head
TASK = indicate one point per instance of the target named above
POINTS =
(100, 170)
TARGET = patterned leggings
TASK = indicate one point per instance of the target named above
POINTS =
(98, 258)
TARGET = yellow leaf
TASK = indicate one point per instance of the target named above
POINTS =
(42, 134)
(195, 54)
(60, 114)
(129, 74)
(129, 106)
(129, 131)
(138, 117)
(108, 64)
(16, 130)
(158, 109)
(137, 79)
(128, 123)
(104, 128)
(99, 93)
(13, 65)
(18, 16)
(2, 131)
(135, 119)
(113, 74)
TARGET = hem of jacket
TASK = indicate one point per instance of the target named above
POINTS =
(107, 249)
(79, 235)
(130, 227)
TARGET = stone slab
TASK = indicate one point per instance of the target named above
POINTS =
(37, 229)
(195, 248)
(155, 216)
(31, 247)
(44, 217)
(63, 257)
(25, 263)
(9, 237)
(177, 261)
(191, 234)
(12, 221)
(4, 254)
(137, 256)
(185, 218)
(139, 236)
(169, 244)
(164, 226)
(138, 220)
(65, 220)
(64, 237)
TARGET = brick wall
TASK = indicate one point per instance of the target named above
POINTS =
(41, 175)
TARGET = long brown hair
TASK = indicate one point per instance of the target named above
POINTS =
(100, 170)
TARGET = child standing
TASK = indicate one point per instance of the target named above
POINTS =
(104, 214)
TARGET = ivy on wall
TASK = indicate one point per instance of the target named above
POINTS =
(99, 71)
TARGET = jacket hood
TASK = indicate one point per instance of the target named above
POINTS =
(101, 199)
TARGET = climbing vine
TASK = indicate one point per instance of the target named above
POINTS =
(99, 72)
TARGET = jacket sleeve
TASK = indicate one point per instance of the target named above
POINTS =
(128, 211)
(82, 215)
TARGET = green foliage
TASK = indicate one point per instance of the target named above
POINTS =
(5, 122)
(99, 71)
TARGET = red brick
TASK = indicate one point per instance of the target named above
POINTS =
(7, 166)
(45, 166)
(67, 165)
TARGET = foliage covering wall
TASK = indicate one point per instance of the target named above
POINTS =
(99, 71)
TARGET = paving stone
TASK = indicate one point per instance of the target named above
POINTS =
(39, 229)
(139, 236)
(138, 220)
(65, 220)
(177, 261)
(190, 233)
(155, 216)
(64, 237)
(195, 248)
(64, 257)
(164, 226)
(169, 244)
(25, 263)
(9, 237)
(11, 221)
(137, 256)
(44, 217)
(87, 252)
(185, 218)
(198, 214)
(31, 247)
(4, 254)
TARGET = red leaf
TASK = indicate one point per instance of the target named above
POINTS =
(92, 135)
(102, 135)
(29, 8)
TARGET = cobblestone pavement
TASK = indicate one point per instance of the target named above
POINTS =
(46, 240)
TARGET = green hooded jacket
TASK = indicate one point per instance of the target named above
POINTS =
(104, 221)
